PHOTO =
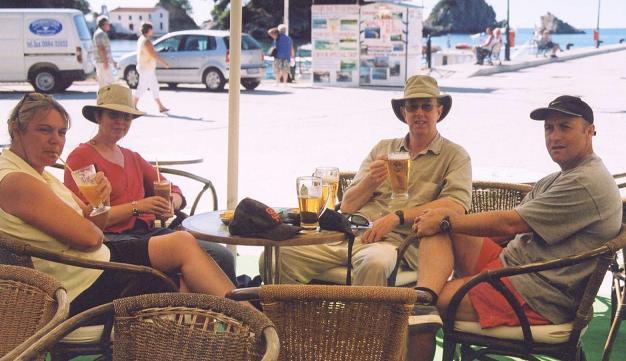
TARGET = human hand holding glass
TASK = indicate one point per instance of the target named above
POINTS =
(94, 187)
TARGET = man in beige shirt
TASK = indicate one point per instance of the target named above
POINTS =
(440, 176)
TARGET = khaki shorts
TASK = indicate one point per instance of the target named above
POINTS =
(281, 66)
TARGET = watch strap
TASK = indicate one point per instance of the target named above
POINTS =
(400, 215)
(135, 210)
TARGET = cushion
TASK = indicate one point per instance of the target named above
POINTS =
(552, 334)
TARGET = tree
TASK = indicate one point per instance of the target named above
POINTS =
(82, 5)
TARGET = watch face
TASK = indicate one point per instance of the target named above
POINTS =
(445, 225)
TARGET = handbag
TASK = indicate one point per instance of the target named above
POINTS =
(273, 52)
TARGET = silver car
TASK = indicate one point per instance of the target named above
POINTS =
(199, 56)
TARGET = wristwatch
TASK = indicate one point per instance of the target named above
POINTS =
(445, 226)
(135, 210)
(400, 215)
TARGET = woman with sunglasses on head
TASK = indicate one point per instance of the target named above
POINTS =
(37, 208)
(134, 206)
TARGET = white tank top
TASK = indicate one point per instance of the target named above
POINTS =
(145, 61)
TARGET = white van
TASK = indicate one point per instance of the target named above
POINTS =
(49, 48)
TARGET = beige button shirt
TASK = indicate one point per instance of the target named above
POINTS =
(442, 170)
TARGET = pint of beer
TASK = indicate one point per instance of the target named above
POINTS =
(310, 201)
(398, 165)
(330, 181)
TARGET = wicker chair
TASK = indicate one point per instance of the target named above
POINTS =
(559, 341)
(32, 304)
(329, 323)
(90, 339)
(177, 326)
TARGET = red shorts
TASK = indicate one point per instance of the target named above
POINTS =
(492, 308)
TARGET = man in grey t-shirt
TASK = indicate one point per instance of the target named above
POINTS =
(102, 52)
(566, 213)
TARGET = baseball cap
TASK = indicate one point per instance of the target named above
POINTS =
(254, 219)
(565, 104)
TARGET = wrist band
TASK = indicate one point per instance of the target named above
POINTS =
(400, 215)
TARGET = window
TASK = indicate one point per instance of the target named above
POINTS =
(247, 42)
(161, 24)
(161, 15)
(81, 27)
(130, 17)
(119, 17)
(149, 16)
(131, 26)
(140, 17)
(199, 43)
(169, 44)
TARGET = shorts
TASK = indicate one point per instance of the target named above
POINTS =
(281, 65)
(112, 283)
(492, 308)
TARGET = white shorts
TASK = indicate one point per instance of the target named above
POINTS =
(147, 80)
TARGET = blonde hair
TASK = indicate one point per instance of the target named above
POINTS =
(31, 105)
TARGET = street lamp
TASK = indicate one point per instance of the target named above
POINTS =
(507, 46)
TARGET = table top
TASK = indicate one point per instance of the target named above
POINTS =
(209, 227)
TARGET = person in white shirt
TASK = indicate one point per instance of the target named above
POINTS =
(147, 59)
(102, 52)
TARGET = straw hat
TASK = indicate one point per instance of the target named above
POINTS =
(114, 97)
(422, 86)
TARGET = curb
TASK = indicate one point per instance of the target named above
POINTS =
(533, 63)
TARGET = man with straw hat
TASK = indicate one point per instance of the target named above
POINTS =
(568, 212)
(439, 176)
(134, 202)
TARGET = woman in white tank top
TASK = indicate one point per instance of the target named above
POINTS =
(147, 59)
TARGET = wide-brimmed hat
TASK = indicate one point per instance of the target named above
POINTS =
(422, 86)
(254, 219)
(565, 104)
(114, 97)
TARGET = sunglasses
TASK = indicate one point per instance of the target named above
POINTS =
(413, 107)
(358, 220)
(119, 115)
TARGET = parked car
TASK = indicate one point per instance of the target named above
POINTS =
(49, 48)
(199, 56)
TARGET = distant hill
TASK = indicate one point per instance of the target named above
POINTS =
(460, 16)
(557, 26)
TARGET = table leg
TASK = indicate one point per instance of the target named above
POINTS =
(277, 265)
(267, 265)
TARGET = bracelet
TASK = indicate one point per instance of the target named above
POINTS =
(135, 210)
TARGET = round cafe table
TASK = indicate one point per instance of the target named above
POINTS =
(209, 227)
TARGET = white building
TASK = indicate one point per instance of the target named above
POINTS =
(129, 20)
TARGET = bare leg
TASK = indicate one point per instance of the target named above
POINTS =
(180, 251)
(162, 108)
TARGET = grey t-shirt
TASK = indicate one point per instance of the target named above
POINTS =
(570, 212)
(100, 38)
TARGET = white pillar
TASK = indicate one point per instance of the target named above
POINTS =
(286, 16)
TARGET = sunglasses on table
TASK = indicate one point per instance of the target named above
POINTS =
(358, 221)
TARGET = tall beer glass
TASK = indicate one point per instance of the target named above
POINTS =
(163, 189)
(330, 182)
(398, 164)
(309, 201)
(85, 179)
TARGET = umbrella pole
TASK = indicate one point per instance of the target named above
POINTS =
(234, 78)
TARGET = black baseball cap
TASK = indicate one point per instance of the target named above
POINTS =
(565, 104)
(254, 219)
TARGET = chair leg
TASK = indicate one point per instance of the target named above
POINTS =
(619, 311)
(449, 348)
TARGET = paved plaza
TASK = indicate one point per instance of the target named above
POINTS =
(287, 131)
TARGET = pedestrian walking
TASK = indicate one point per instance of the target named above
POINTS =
(147, 59)
(102, 52)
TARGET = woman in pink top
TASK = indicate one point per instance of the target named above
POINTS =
(134, 205)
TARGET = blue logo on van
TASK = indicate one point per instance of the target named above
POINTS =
(45, 27)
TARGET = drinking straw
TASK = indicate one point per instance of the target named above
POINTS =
(65, 164)
(158, 172)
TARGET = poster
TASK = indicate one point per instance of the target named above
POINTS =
(390, 38)
(335, 35)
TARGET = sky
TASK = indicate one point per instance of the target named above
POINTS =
(523, 13)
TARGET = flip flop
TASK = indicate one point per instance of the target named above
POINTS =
(164, 110)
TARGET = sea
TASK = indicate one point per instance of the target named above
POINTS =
(523, 37)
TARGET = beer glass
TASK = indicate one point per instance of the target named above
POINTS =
(330, 183)
(163, 189)
(309, 201)
(85, 179)
(398, 164)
